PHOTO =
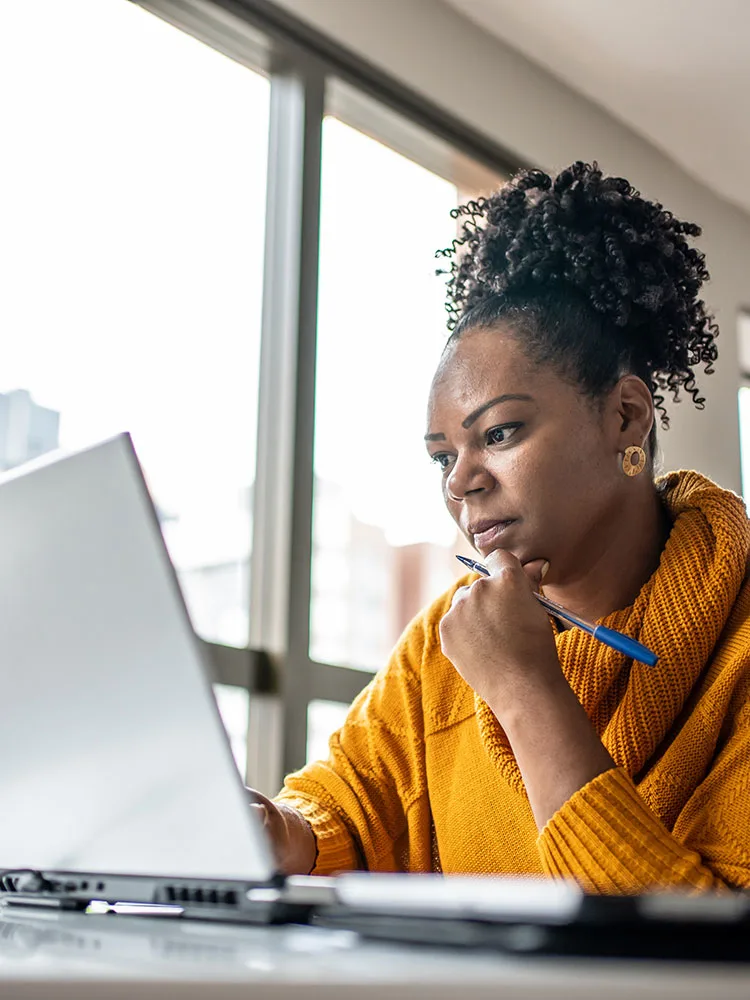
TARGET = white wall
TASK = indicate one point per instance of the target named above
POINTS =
(497, 91)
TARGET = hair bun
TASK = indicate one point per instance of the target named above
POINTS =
(594, 236)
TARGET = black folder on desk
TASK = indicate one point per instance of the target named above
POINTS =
(530, 916)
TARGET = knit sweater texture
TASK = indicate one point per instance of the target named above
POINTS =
(421, 777)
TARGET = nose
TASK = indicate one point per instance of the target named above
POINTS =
(468, 476)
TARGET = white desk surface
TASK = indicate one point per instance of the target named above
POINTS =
(66, 955)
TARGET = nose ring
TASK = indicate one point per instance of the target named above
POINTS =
(457, 499)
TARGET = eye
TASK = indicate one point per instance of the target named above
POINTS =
(501, 434)
(442, 459)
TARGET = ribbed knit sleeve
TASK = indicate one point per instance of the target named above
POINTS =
(367, 803)
(336, 848)
(608, 839)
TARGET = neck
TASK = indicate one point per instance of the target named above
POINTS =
(614, 567)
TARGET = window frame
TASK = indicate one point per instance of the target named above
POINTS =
(743, 382)
(276, 667)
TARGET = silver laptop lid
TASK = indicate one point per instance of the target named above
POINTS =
(113, 757)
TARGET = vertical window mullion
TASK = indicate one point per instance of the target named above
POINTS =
(282, 522)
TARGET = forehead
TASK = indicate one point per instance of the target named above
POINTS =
(482, 364)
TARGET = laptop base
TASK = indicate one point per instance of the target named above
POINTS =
(232, 901)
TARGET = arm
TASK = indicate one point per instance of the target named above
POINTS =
(556, 747)
(607, 836)
(367, 803)
(594, 825)
(499, 639)
(596, 828)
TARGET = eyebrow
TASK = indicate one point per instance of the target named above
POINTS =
(482, 409)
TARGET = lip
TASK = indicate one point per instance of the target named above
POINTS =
(486, 533)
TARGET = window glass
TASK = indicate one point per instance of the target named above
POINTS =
(744, 408)
(323, 719)
(383, 543)
(234, 708)
(743, 401)
(131, 251)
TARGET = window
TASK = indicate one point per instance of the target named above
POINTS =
(136, 268)
(234, 704)
(132, 251)
(383, 543)
(323, 718)
(744, 408)
(743, 345)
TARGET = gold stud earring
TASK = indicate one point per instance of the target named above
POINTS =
(633, 461)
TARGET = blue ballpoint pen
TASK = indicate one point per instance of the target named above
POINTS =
(616, 640)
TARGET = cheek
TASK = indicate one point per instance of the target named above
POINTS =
(531, 470)
(558, 478)
(578, 490)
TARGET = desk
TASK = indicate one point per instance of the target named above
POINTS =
(46, 955)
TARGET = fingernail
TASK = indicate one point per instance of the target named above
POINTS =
(260, 808)
(544, 571)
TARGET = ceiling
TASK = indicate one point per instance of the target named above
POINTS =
(676, 71)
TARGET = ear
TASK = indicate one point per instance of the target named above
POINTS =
(631, 413)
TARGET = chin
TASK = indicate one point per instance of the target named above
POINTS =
(524, 552)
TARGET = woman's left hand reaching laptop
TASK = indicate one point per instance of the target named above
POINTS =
(291, 835)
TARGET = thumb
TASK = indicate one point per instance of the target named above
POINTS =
(536, 570)
(261, 812)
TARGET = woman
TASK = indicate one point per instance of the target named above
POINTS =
(497, 740)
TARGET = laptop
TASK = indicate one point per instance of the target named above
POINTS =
(118, 787)
(116, 775)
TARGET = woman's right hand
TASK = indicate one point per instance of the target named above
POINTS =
(291, 835)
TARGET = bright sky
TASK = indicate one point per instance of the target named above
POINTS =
(131, 238)
(380, 332)
(133, 188)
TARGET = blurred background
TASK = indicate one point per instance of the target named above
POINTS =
(218, 231)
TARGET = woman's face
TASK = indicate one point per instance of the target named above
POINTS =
(529, 464)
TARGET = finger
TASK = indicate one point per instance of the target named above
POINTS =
(459, 595)
(261, 812)
(258, 798)
(499, 560)
(536, 570)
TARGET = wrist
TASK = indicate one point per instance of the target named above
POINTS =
(302, 847)
(556, 747)
(531, 699)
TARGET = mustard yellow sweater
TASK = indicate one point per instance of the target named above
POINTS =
(421, 777)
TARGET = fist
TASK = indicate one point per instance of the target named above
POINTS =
(291, 835)
(498, 636)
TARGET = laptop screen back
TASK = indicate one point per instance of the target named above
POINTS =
(113, 757)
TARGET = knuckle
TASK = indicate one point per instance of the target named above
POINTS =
(507, 571)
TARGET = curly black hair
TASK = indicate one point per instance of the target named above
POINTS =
(591, 276)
